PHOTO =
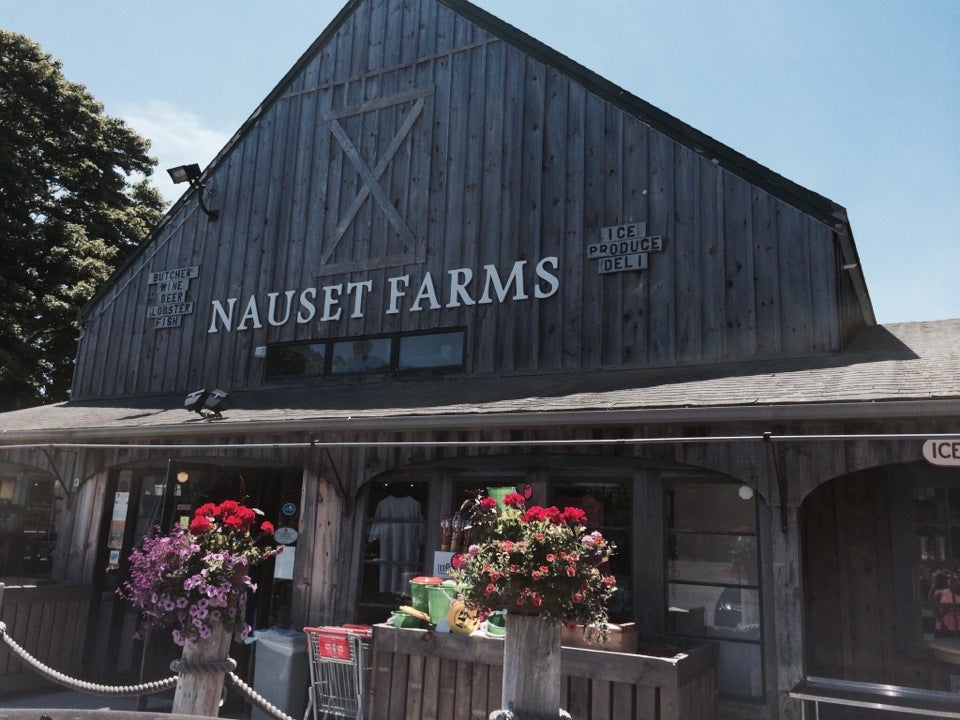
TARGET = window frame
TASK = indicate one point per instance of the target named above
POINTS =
(328, 370)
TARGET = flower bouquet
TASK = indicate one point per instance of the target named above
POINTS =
(195, 577)
(536, 561)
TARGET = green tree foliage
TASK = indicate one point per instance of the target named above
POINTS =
(74, 203)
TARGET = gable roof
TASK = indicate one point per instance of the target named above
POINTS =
(905, 370)
(820, 208)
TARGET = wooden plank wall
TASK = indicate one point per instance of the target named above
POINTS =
(502, 159)
(851, 622)
(418, 675)
(50, 623)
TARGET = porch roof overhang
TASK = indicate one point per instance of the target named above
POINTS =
(896, 372)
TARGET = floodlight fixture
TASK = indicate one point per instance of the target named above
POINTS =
(194, 401)
(216, 402)
(191, 174)
(208, 405)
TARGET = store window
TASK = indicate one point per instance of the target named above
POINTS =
(713, 585)
(394, 533)
(936, 553)
(28, 526)
(607, 505)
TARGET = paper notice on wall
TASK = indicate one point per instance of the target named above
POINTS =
(118, 520)
(283, 564)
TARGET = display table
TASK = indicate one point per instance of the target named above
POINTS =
(419, 674)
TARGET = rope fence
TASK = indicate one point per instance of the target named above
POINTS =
(222, 666)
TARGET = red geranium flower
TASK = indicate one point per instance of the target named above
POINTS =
(574, 515)
(200, 525)
(514, 500)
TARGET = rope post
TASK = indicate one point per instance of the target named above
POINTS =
(202, 669)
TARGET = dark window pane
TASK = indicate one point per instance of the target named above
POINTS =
(714, 611)
(431, 351)
(296, 360)
(715, 558)
(709, 506)
(369, 354)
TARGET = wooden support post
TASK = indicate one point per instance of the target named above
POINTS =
(531, 666)
(199, 689)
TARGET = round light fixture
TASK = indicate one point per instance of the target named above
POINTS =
(183, 476)
(745, 492)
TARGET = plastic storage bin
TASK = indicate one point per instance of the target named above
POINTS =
(281, 671)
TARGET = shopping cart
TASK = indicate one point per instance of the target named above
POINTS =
(339, 671)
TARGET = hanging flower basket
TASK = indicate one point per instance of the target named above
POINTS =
(196, 579)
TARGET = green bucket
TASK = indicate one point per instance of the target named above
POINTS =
(419, 586)
(440, 598)
(499, 493)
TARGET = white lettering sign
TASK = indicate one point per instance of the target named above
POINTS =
(942, 452)
(401, 293)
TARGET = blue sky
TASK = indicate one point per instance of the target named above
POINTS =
(858, 100)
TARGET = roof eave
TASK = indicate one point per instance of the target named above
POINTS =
(318, 428)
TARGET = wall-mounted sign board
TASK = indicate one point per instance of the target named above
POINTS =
(942, 452)
(171, 296)
(623, 247)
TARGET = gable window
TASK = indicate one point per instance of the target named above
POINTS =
(402, 352)
(366, 354)
(300, 360)
(431, 350)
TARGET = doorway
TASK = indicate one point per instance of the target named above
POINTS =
(139, 500)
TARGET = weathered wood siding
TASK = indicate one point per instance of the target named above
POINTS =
(852, 625)
(50, 623)
(411, 142)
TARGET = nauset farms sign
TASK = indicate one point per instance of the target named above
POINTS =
(619, 248)
(401, 293)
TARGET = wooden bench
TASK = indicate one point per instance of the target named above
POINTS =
(875, 696)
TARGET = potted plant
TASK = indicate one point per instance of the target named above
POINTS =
(546, 569)
(194, 581)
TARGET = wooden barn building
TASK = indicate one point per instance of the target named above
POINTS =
(441, 256)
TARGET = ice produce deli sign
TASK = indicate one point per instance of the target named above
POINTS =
(620, 248)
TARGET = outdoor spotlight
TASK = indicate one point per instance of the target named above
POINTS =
(191, 174)
(194, 401)
(216, 402)
(207, 405)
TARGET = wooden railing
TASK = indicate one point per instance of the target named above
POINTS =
(420, 675)
(49, 622)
